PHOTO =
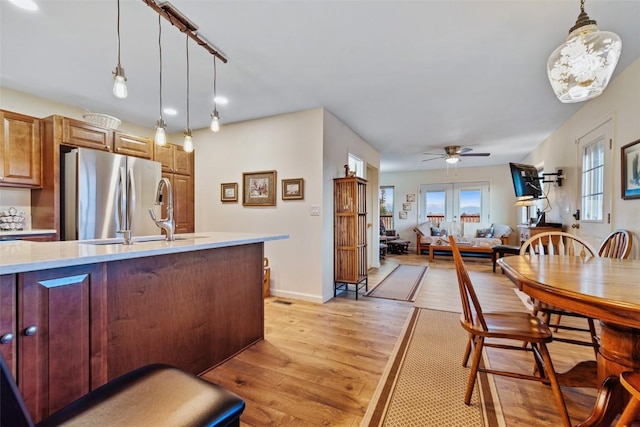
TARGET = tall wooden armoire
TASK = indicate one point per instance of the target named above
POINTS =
(350, 234)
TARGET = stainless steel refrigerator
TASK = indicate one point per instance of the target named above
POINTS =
(106, 192)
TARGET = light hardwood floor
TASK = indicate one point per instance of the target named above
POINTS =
(319, 364)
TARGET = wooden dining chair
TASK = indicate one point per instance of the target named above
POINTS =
(561, 244)
(617, 245)
(511, 326)
(631, 382)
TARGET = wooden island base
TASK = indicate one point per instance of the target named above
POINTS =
(192, 310)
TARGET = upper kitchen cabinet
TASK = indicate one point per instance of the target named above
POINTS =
(20, 151)
(177, 166)
(174, 159)
(82, 134)
(130, 145)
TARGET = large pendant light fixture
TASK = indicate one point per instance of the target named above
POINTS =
(187, 146)
(215, 117)
(161, 137)
(581, 67)
(119, 80)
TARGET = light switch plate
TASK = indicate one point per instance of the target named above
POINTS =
(315, 210)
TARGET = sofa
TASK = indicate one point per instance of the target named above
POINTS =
(473, 233)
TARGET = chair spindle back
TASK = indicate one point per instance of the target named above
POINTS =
(468, 297)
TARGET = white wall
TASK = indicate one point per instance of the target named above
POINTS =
(502, 197)
(290, 144)
(339, 141)
(621, 100)
(311, 144)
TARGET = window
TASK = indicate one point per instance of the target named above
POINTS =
(435, 205)
(593, 181)
(357, 165)
(461, 202)
(386, 207)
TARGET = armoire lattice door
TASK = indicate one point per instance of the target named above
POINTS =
(350, 234)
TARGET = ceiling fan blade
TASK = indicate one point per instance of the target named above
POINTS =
(433, 158)
(474, 154)
(433, 154)
(464, 150)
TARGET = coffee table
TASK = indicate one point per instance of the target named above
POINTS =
(464, 249)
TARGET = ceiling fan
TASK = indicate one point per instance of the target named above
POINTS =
(452, 154)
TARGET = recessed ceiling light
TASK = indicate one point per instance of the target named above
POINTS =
(221, 100)
(170, 111)
(29, 5)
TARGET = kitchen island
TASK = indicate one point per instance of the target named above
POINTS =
(74, 315)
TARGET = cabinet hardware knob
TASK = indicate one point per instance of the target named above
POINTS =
(31, 330)
(6, 338)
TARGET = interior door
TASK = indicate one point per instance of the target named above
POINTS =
(594, 184)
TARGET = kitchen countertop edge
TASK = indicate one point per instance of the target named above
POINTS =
(22, 256)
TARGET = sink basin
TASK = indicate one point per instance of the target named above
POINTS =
(141, 239)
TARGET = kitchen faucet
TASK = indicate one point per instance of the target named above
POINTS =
(167, 224)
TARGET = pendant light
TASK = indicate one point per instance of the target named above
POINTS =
(580, 68)
(119, 80)
(187, 146)
(161, 137)
(215, 117)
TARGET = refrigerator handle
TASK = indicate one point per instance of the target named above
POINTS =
(122, 200)
(131, 200)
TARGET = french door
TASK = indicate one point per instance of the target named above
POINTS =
(460, 202)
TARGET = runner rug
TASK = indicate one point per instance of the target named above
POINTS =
(401, 284)
(424, 381)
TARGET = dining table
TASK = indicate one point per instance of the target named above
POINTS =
(606, 289)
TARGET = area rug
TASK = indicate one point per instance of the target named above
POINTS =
(424, 381)
(401, 284)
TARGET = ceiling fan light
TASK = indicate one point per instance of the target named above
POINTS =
(452, 159)
(581, 67)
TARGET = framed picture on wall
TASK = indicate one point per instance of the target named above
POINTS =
(631, 170)
(259, 188)
(402, 215)
(411, 197)
(406, 206)
(293, 189)
(229, 192)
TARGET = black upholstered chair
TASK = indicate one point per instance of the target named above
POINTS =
(154, 395)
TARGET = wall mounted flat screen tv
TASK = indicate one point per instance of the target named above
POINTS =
(526, 181)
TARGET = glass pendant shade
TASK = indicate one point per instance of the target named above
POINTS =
(215, 121)
(187, 145)
(119, 83)
(580, 68)
(161, 136)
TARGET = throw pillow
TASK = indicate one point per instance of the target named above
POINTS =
(484, 232)
(438, 232)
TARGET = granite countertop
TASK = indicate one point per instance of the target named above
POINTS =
(18, 256)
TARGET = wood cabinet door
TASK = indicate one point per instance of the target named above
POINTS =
(164, 155)
(131, 145)
(81, 134)
(61, 336)
(20, 150)
(8, 333)
(183, 203)
(182, 161)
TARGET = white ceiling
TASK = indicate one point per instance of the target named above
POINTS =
(407, 76)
